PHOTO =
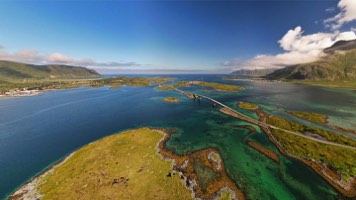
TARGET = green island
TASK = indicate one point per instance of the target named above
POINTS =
(131, 165)
(20, 79)
(248, 106)
(171, 99)
(320, 119)
(16, 88)
(311, 116)
(216, 86)
(314, 132)
(335, 164)
(164, 87)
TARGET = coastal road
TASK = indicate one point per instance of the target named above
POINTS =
(229, 111)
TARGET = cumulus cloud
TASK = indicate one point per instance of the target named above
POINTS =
(299, 48)
(34, 57)
(347, 14)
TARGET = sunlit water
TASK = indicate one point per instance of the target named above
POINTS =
(37, 131)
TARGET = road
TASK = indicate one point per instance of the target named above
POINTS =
(229, 111)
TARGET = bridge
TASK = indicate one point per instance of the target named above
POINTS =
(229, 111)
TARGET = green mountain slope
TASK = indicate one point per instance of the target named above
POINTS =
(14, 71)
(336, 67)
(253, 72)
(341, 46)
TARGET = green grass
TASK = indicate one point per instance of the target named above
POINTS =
(17, 72)
(350, 84)
(296, 127)
(171, 99)
(135, 81)
(205, 175)
(225, 194)
(339, 158)
(116, 82)
(338, 70)
(121, 166)
(164, 87)
(248, 106)
(310, 116)
(215, 157)
(216, 86)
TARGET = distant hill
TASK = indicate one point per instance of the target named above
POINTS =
(253, 72)
(339, 65)
(341, 46)
(15, 71)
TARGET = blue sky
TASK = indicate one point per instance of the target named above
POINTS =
(115, 36)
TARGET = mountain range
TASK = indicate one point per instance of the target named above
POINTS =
(15, 71)
(338, 64)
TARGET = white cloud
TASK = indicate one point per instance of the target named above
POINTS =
(294, 40)
(330, 9)
(347, 14)
(298, 48)
(34, 57)
(348, 35)
(57, 57)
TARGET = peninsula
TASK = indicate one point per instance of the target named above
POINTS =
(133, 165)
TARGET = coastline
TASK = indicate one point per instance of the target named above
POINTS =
(182, 165)
(346, 189)
(326, 123)
(29, 190)
(23, 93)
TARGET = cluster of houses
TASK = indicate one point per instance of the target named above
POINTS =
(20, 93)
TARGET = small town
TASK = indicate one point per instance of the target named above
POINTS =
(20, 93)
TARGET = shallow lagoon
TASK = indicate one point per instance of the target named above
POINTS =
(38, 131)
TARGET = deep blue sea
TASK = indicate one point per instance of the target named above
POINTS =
(37, 131)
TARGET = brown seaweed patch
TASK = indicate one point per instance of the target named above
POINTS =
(204, 176)
(270, 154)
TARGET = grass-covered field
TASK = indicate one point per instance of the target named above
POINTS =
(340, 159)
(164, 87)
(327, 135)
(350, 84)
(248, 106)
(46, 84)
(121, 166)
(216, 86)
(310, 116)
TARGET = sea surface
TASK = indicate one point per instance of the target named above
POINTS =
(36, 132)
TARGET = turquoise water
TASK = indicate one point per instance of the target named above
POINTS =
(37, 131)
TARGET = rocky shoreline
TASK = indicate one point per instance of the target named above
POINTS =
(347, 189)
(28, 190)
(185, 165)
